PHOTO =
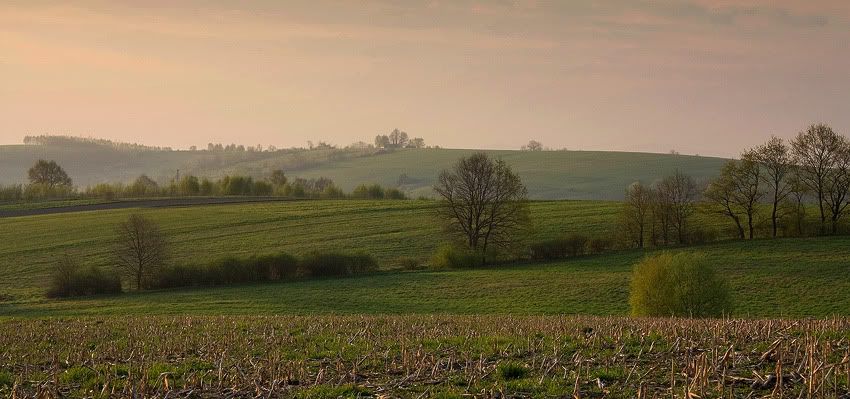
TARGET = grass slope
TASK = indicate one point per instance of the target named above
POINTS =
(768, 278)
(548, 174)
(389, 230)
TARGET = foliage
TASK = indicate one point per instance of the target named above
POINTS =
(48, 174)
(450, 256)
(681, 284)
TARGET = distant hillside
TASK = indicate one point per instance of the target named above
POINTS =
(548, 174)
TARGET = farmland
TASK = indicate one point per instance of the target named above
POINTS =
(425, 356)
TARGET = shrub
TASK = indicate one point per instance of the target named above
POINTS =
(683, 284)
(318, 264)
(363, 191)
(559, 248)
(69, 279)
(229, 271)
(452, 257)
(599, 245)
(409, 263)
(394, 194)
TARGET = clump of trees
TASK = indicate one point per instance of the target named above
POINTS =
(814, 166)
(376, 191)
(398, 139)
(46, 180)
(484, 203)
(682, 284)
(661, 214)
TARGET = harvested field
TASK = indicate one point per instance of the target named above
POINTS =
(424, 356)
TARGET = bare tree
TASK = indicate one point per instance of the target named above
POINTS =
(837, 185)
(747, 182)
(815, 152)
(675, 197)
(140, 248)
(637, 212)
(777, 164)
(484, 201)
(382, 141)
(48, 173)
(722, 192)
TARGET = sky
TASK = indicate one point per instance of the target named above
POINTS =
(707, 77)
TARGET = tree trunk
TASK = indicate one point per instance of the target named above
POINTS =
(773, 216)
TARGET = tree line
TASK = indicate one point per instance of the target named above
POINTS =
(778, 178)
(48, 180)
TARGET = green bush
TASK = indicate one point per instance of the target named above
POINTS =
(682, 284)
(363, 191)
(452, 257)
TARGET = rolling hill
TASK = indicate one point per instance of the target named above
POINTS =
(547, 174)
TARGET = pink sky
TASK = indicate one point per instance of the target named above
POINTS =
(707, 77)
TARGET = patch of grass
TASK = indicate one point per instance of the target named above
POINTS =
(511, 371)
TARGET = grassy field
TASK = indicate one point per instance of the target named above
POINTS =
(768, 278)
(548, 174)
(389, 230)
(424, 356)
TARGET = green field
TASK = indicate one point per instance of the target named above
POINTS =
(770, 278)
(547, 174)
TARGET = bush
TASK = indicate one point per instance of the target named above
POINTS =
(69, 279)
(559, 248)
(228, 271)
(363, 191)
(683, 284)
(317, 264)
(452, 257)
(409, 263)
(600, 245)
(394, 194)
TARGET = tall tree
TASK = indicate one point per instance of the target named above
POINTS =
(637, 212)
(837, 185)
(140, 248)
(722, 193)
(676, 196)
(48, 173)
(815, 153)
(484, 201)
(749, 190)
(777, 164)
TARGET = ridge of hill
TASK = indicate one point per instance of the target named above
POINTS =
(598, 175)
